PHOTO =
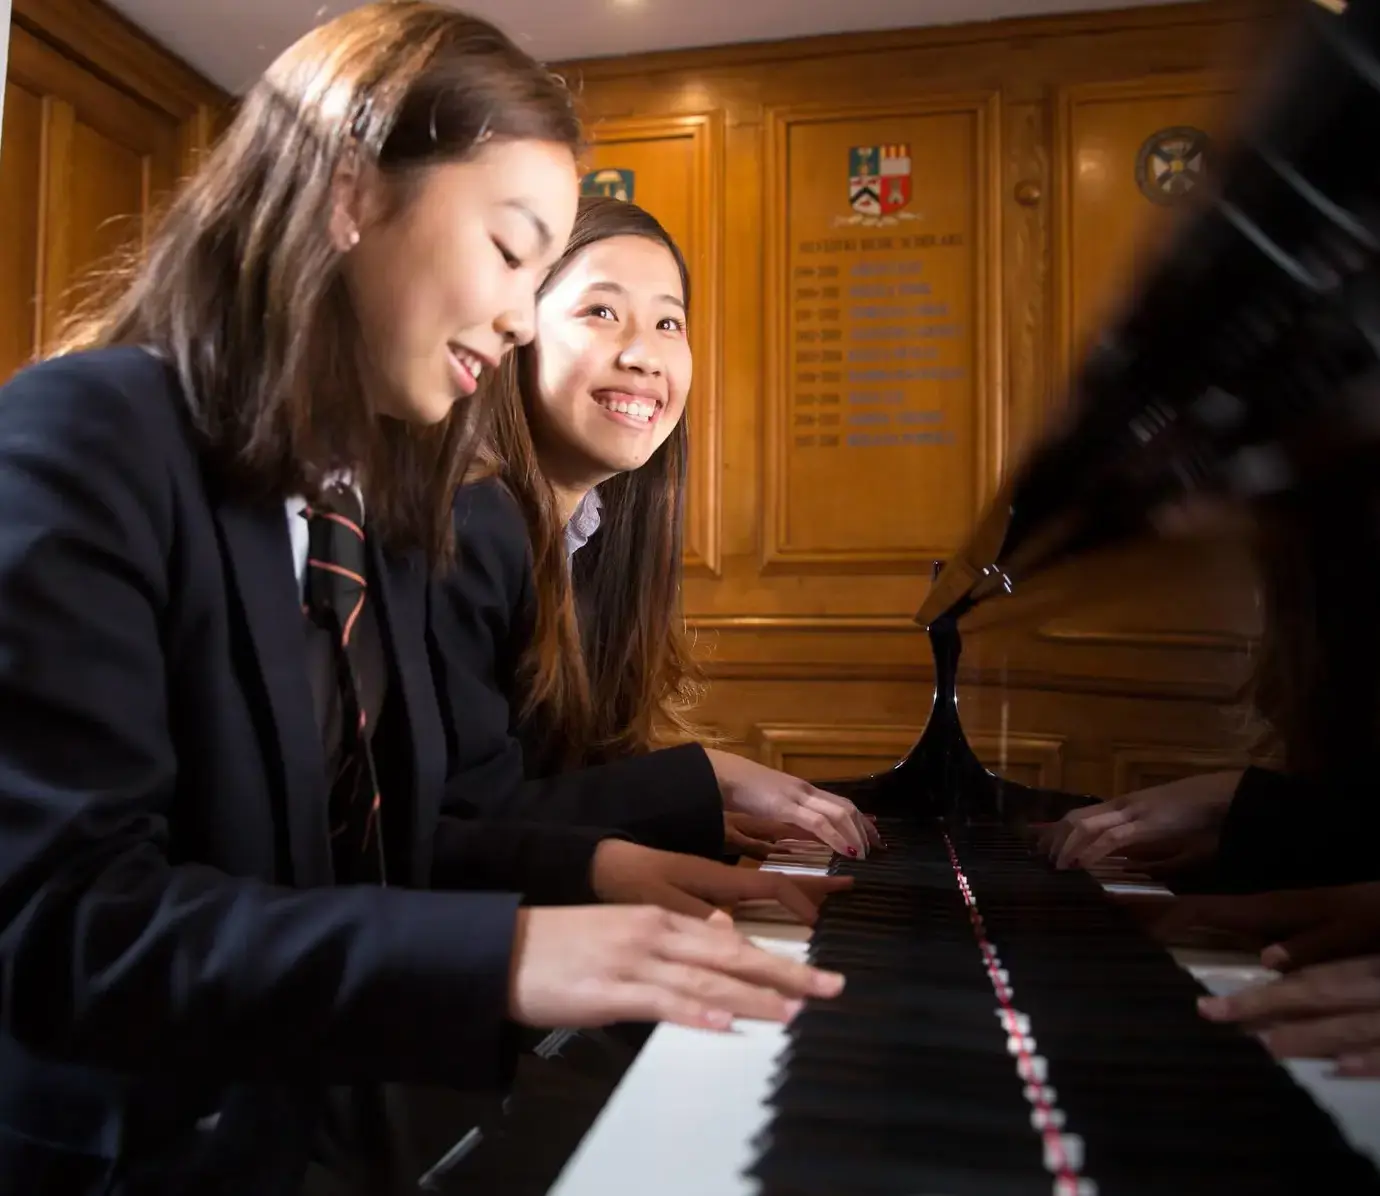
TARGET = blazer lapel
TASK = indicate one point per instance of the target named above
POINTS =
(402, 594)
(258, 553)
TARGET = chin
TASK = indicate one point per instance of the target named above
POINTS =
(429, 410)
(627, 465)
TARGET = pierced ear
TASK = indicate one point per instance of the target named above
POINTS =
(350, 202)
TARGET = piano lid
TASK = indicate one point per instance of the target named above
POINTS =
(1245, 365)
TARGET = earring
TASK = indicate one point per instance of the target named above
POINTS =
(353, 239)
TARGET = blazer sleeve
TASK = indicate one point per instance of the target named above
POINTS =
(480, 622)
(111, 955)
(1289, 832)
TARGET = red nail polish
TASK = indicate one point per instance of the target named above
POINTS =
(853, 851)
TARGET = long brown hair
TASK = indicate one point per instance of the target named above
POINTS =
(609, 670)
(240, 286)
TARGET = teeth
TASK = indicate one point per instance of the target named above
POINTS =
(638, 409)
(469, 361)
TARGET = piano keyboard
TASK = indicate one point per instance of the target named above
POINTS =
(1005, 1030)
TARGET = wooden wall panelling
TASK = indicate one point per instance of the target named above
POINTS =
(1026, 204)
(99, 124)
(872, 723)
(21, 171)
(1142, 767)
(104, 43)
(1111, 219)
(869, 315)
(1107, 228)
(809, 621)
(833, 752)
(104, 158)
(677, 166)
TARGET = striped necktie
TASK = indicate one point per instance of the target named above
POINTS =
(336, 590)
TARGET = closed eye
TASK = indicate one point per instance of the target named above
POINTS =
(511, 260)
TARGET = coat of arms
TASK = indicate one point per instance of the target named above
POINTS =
(879, 183)
(1171, 163)
(616, 184)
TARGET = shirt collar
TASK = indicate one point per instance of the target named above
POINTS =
(583, 523)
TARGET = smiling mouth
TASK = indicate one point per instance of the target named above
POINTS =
(637, 409)
(470, 365)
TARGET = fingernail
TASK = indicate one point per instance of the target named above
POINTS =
(1274, 957)
(853, 851)
(793, 1008)
(718, 1019)
(828, 984)
(1212, 1006)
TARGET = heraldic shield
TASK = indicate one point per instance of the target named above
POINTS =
(878, 178)
(615, 184)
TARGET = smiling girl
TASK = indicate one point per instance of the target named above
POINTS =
(575, 669)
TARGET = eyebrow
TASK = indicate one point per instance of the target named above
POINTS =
(612, 288)
(543, 231)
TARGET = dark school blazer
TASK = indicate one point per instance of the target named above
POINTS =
(481, 624)
(178, 981)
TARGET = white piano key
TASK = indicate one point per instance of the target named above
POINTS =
(1042, 1117)
(1063, 1152)
(716, 1083)
(793, 869)
(1013, 1021)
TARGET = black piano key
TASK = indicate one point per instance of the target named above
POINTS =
(861, 1156)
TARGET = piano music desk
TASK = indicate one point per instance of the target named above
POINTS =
(683, 1120)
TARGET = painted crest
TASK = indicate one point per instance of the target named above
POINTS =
(1171, 163)
(878, 179)
(616, 184)
(879, 186)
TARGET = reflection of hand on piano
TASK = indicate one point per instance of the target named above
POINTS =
(1326, 1011)
(1164, 829)
(1302, 926)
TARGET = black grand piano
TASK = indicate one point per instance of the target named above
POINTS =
(1007, 1028)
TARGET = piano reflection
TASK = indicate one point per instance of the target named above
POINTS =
(1007, 1028)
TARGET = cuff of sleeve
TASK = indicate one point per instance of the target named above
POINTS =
(687, 794)
(436, 1011)
(568, 877)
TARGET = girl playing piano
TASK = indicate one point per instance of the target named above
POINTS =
(565, 613)
(228, 860)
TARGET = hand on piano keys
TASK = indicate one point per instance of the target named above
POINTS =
(629, 874)
(752, 788)
(796, 858)
(585, 966)
(760, 838)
